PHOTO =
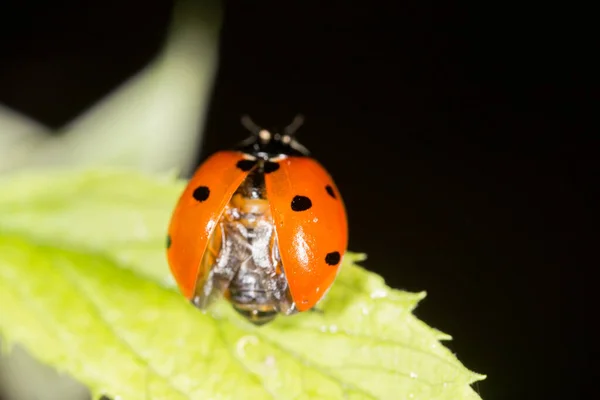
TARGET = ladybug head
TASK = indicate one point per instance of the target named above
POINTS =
(271, 144)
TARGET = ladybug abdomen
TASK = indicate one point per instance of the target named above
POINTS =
(242, 258)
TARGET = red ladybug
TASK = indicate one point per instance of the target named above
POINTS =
(262, 224)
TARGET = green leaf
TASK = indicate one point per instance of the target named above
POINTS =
(84, 286)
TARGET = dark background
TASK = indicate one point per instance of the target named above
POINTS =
(442, 125)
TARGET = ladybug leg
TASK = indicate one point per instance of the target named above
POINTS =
(316, 310)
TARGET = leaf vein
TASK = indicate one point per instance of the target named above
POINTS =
(72, 277)
(379, 341)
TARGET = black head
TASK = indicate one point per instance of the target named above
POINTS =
(266, 144)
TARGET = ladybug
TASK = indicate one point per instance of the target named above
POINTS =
(262, 224)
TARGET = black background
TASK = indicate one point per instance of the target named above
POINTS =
(442, 125)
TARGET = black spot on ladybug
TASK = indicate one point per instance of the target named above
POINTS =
(169, 241)
(333, 258)
(270, 166)
(301, 203)
(330, 191)
(201, 193)
(246, 165)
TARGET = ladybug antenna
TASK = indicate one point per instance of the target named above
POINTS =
(291, 129)
(263, 134)
(250, 125)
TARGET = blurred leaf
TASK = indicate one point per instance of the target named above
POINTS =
(24, 377)
(83, 272)
(154, 121)
(19, 137)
